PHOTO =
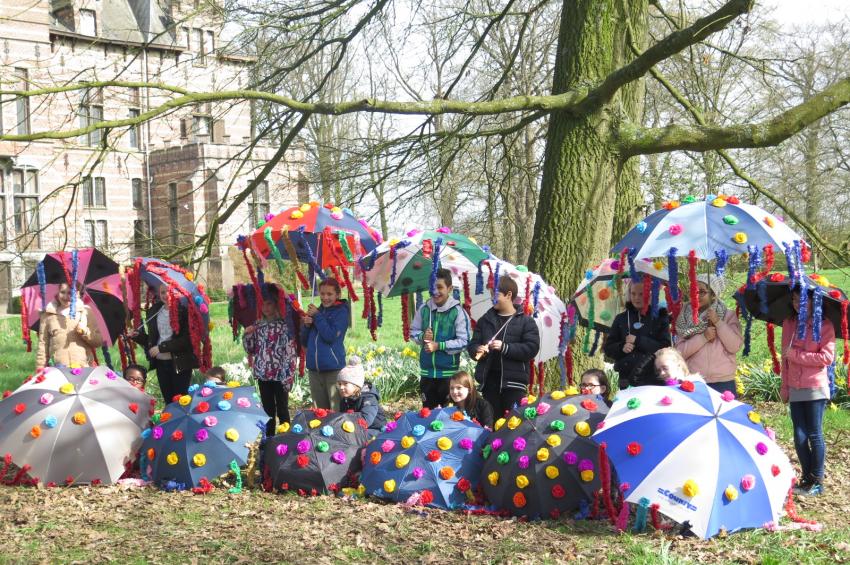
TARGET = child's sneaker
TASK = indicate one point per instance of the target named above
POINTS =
(803, 486)
(816, 489)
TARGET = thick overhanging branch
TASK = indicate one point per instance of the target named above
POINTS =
(636, 140)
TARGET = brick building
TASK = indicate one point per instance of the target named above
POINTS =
(139, 190)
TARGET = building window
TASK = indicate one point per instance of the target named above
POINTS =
(140, 237)
(202, 123)
(25, 190)
(259, 205)
(200, 57)
(209, 43)
(96, 233)
(138, 194)
(94, 192)
(88, 22)
(91, 112)
(23, 103)
(172, 213)
(134, 112)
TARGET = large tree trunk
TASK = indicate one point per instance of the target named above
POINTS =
(583, 176)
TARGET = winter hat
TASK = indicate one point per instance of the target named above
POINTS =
(352, 373)
(715, 283)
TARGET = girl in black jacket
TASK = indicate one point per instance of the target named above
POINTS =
(633, 340)
(465, 397)
(504, 342)
(169, 353)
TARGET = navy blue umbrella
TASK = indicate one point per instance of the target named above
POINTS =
(200, 434)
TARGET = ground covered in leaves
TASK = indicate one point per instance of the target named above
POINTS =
(114, 524)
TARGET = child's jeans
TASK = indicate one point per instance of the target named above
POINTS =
(807, 419)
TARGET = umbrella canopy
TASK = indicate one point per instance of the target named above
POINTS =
(101, 288)
(535, 297)
(200, 434)
(404, 266)
(716, 224)
(74, 425)
(602, 293)
(703, 458)
(432, 454)
(321, 236)
(318, 453)
(770, 298)
(541, 462)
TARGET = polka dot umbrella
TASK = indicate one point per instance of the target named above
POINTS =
(199, 435)
(73, 425)
(433, 455)
(318, 453)
(541, 461)
(702, 457)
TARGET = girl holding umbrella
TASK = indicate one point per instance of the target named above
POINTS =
(710, 344)
(63, 338)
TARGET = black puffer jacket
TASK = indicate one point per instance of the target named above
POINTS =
(481, 412)
(368, 404)
(180, 344)
(638, 367)
(520, 343)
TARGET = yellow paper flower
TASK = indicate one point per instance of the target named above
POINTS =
(407, 441)
(568, 409)
(305, 208)
(402, 460)
(231, 434)
(233, 384)
(296, 215)
(284, 427)
(498, 425)
(740, 237)
(315, 423)
(542, 454)
(572, 391)
(493, 478)
(444, 443)
(582, 429)
(389, 486)
(554, 440)
(731, 493)
(754, 417)
(361, 490)
(514, 422)
(658, 264)
(587, 475)
(347, 427)
(66, 388)
(558, 394)
(531, 398)
(189, 276)
(185, 400)
(718, 202)
(690, 488)
(552, 472)
(521, 481)
(79, 418)
(199, 460)
(172, 459)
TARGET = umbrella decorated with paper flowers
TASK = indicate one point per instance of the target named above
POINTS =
(70, 426)
(430, 457)
(318, 453)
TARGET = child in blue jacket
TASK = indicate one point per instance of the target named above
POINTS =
(324, 336)
(441, 327)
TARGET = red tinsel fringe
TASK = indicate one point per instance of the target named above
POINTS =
(791, 509)
(467, 296)
(490, 279)
(767, 257)
(526, 302)
(253, 276)
(122, 351)
(805, 252)
(373, 315)
(25, 327)
(672, 308)
(771, 346)
(541, 378)
(405, 316)
(594, 511)
(568, 361)
(605, 478)
(694, 289)
(845, 334)
(653, 515)
(647, 287)
(351, 293)
(367, 297)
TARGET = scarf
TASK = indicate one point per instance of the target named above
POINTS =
(685, 326)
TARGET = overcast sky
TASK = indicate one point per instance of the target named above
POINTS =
(799, 12)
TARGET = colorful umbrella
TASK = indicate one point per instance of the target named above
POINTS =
(243, 307)
(715, 225)
(541, 462)
(101, 289)
(318, 453)
(535, 297)
(181, 287)
(321, 236)
(703, 457)
(602, 295)
(74, 425)
(432, 455)
(199, 435)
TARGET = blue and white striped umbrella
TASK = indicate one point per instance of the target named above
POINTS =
(708, 227)
(703, 459)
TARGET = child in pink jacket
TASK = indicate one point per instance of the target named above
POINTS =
(805, 386)
(709, 346)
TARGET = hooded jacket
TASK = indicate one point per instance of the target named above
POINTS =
(324, 338)
(180, 344)
(368, 405)
(59, 340)
(651, 334)
(450, 325)
(481, 412)
(805, 362)
(714, 360)
(520, 344)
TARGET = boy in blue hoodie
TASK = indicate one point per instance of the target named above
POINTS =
(441, 327)
(323, 335)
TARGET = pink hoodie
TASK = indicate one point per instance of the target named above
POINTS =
(804, 362)
(714, 360)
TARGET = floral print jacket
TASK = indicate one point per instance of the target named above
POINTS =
(273, 350)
